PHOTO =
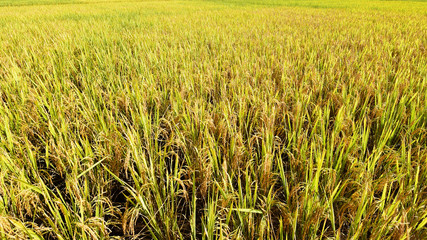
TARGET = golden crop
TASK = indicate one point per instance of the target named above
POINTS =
(213, 119)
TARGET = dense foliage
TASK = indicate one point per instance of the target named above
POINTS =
(213, 120)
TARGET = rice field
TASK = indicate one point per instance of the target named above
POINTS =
(222, 119)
